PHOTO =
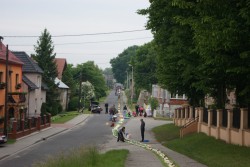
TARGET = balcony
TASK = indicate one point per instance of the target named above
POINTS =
(16, 98)
(2, 85)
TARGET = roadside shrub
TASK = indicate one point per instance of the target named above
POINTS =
(44, 109)
(60, 108)
(54, 109)
(153, 103)
(73, 104)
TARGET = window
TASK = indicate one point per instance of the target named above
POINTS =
(17, 79)
(1, 76)
(38, 81)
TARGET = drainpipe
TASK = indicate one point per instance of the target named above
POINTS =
(6, 92)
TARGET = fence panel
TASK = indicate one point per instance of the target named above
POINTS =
(205, 115)
(224, 117)
(236, 118)
(214, 117)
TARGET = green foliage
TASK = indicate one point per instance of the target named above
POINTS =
(153, 103)
(45, 59)
(109, 76)
(144, 64)
(54, 108)
(44, 109)
(87, 157)
(68, 78)
(120, 64)
(73, 103)
(60, 108)
(64, 117)
(202, 48)
(92, 73)
(202, 148)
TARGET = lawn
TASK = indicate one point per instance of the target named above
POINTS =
(205, 149)
(64, 117)
(86, 157)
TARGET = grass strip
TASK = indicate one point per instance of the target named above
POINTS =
(64, 117)
(86, 157)
(204, 149)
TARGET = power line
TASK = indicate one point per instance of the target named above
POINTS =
(74, 53)
(79, 43)
(74, 35)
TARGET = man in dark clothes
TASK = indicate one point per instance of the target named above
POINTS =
(137, 109)
(106, 107)
(120, 135)
(142, 130)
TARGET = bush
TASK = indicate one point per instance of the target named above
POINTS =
(73, 104)
(43, 109)
(54, 109)
(60, 108)
(153, 103)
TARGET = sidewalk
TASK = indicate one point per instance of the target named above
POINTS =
(30, 140)
(141, 157)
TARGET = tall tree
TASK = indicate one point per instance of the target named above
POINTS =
(68, 78)
(45, 58)
(144, 64)
(121, 63)
(177, 69)
(92, 73)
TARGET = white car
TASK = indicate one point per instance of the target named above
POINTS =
(3, 139)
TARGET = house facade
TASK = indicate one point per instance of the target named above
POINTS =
(32, 84)
(168, 102)
(16, 95)
(62, 88)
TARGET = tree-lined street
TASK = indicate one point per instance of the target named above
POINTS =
(93, 132)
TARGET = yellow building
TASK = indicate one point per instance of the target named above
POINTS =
(15, 94)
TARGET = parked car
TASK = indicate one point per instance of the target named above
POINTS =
(3, 139)
(95, 108)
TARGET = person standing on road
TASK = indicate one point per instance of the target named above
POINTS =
(137, 109)
(142, 130)
(106, 107)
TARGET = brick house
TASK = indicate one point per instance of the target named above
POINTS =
(168, 102)
(16, 95)
(63, 89)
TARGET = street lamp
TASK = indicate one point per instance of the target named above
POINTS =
(132, 88)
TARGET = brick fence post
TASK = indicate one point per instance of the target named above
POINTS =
(14, 129)
(49, 116)
(38, 123)
(29, 123)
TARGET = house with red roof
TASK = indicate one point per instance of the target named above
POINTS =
(63, 89)
(13, 84)
(61, 64)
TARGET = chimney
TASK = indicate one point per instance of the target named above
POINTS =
(1, 44)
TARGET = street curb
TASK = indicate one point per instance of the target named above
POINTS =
(42, 139)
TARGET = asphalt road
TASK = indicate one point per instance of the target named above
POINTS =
(93, 132)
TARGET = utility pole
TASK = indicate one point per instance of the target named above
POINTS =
(6, 92)
(127, 80)
(132, 90)
(80, 93)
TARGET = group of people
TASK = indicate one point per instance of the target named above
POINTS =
(122, 134)
(112, 112)
(139, 111)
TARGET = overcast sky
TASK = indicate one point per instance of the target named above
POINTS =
(66, 17)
